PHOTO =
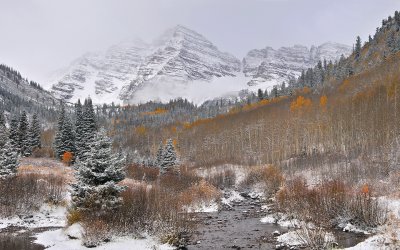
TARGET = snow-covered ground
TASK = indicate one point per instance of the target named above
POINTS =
(202, 207)
(230, 197)
(388, 235)
(59, 240)
(47, 216)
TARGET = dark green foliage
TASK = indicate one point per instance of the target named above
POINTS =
(23, 139)
(97, 177)
(34, 133)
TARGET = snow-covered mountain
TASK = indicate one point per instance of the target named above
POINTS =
(182, 55)
(268, 66)
(179, 55)
(101, 75)
(182, 63)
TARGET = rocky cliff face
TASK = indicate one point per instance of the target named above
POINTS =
(270, 66)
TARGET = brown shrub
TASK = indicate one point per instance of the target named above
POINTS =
(141, 173)
(201, 192)
(270, 176)
(26, 193)
(329, 201)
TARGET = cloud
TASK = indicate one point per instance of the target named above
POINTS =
(39, 36)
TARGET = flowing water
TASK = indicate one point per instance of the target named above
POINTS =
(239, 227)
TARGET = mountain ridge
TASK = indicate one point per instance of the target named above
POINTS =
(180, 56)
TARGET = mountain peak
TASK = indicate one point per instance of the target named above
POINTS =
(269, 67)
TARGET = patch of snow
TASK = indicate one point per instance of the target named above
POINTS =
(381, 242)
(352, 228)
(282, 220)
(47, 216)
(58, 240)
(74, 231)
(202, 207)
(233, 196)
(269, 219)
(291, 239)
(296, 238)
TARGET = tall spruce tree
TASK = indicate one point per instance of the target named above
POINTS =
(8, 160)
(260, 95)
(89, 128)
(169, 158)
(14, 133)
(357, 49)
(58, 147)
(97, 176)
(3, 130)
(159, 156)
(34, 133)
(23, 140)
(79, 130)
(67, 138)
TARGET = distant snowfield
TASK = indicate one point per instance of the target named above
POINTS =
(163, 91)
(197, 91)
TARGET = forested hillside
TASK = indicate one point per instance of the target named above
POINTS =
(18, 93)
(345, 115)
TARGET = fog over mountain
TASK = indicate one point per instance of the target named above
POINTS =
(45, 35)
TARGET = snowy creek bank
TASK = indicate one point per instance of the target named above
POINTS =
(239, 225)
(21, 238)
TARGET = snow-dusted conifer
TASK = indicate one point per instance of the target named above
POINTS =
(97, 177)
(34, 134)
(8, 160)
(67, 138)
(14, 132)
(79, 130)
(159, 156)
(169, 157)
(3, 130)
(23, 141)
(58, 137)
(89, 128)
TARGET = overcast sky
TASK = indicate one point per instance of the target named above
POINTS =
(40, 36)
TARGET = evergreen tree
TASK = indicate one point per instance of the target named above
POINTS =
(67, 138)
(169, 158)
(14, 133)
(3, 130)
(58, 137)
(79, 130)
(274, 92)
(34, 134)
(23, 140)
(97, 177)
(8, 160)
(260, 95)
(159, 156)
(357, 49)
(89, 128)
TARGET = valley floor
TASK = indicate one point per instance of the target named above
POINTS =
(239, 220)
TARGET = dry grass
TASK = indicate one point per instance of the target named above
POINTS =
(203, 192)
(45, 167)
